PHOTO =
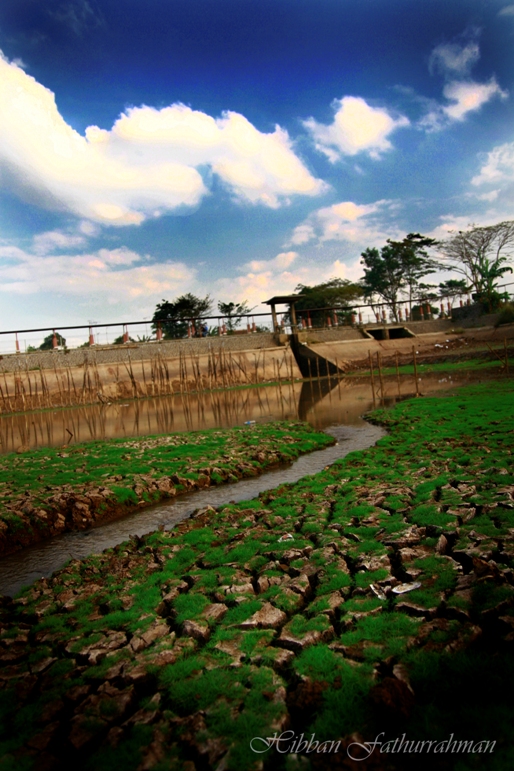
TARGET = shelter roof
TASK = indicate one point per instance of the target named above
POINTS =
(282, 299)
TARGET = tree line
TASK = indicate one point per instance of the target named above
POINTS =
(393, 275)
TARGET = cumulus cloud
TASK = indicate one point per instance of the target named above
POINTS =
(265, 278)
(146, 165)
(113, 275)
(357, 128)
(53, 240)
(468, 97)
(280, 262)
(498, 166)
(454, 58)
(347, 221)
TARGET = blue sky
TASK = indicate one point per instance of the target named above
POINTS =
(238, 147)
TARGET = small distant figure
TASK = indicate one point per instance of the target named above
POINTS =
(205, 330)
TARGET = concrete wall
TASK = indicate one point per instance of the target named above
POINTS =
(310, 336)
(117, 354)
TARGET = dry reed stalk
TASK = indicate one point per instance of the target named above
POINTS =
(5, 407)
(372, 377)
(144, 376)
(61, 400)
(338, 376)
(415, 369)
(132, 378)
(36, 396)
(28, 378)
(84, 379)
(379, 363)
(23, 395)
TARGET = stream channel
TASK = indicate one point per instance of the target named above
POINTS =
(337, 410)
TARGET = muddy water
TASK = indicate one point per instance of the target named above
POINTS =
(338, 410)
(320, 403)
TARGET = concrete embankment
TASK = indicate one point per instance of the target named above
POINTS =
(48, 379)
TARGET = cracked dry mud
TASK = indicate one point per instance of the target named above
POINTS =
(391, 608)
(46, 492)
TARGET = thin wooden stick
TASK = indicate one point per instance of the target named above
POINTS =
(372, 377)
(379, 363)
(415, 369)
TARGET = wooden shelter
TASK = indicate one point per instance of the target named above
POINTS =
(284, 299)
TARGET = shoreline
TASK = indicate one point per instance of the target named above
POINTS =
(143, 471)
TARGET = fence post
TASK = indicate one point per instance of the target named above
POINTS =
(158, 333)
(54, 340)
(17, 344)
(91, 338)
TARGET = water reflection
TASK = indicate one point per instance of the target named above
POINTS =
(320, 402)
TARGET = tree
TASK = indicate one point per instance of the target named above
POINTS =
(397, 269)
(337, 293)
(48, 342)
(234, 313)
(480, 255)
(452, 288)
(174, 316)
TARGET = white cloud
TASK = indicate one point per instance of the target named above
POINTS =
(492, 196)
(469, 96)
(347, 221)
(454, 58)
(454, 61)
(280, 262)
(268, 278)
(507, 10)
(112, 275)
(146, 165)
(357, 127)
(498, 167)
(44, 243)
(497, 174)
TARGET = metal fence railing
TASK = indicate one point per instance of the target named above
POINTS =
(97, 334)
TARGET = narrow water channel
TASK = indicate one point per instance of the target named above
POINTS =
(338, 410)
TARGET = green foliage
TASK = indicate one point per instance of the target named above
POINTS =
(337, 293)
(397, 269)
(234, 312)
(174, 316)
(481, 254)
(48, 342)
